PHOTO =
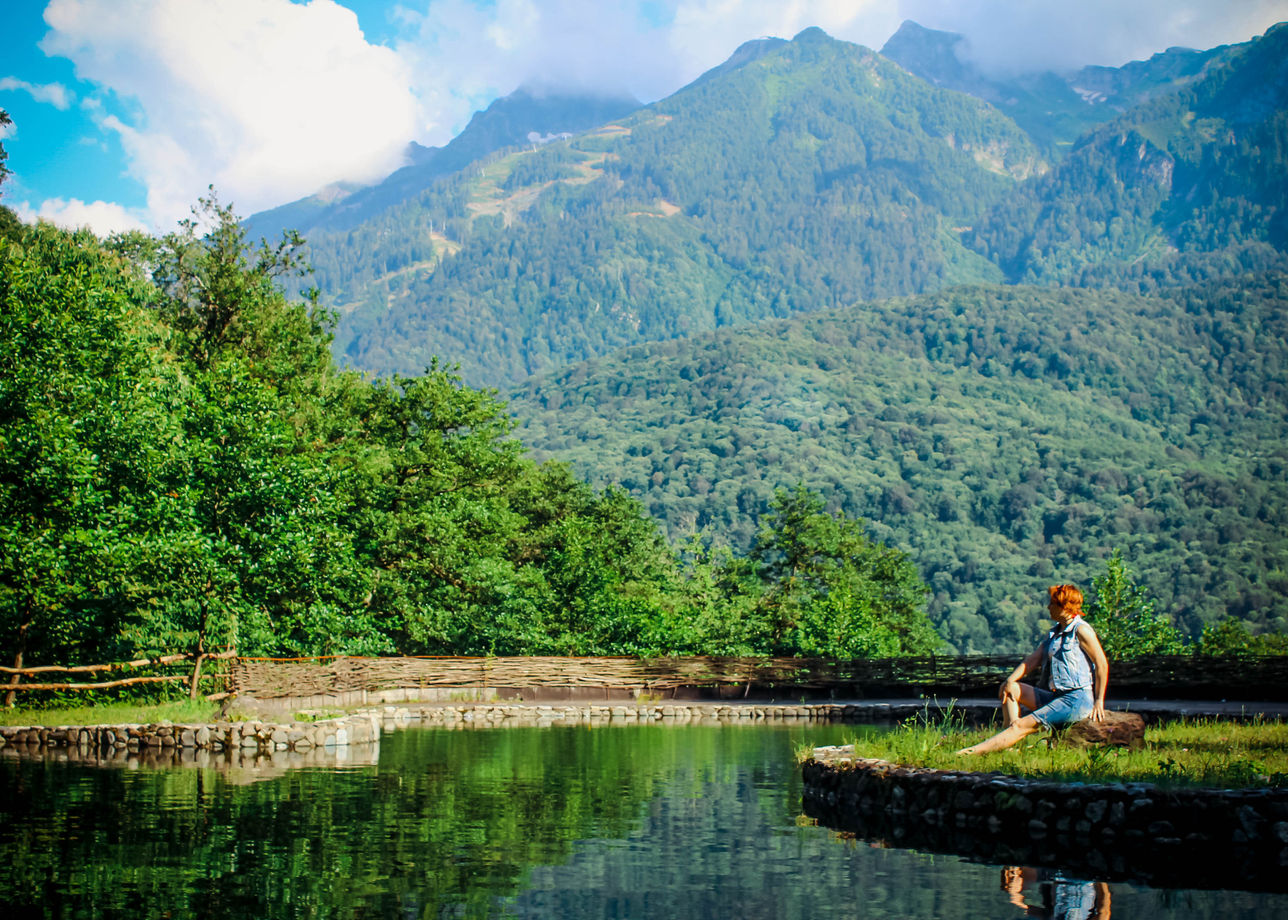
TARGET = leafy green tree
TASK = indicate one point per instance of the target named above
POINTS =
(1123, 614)
(269, 559)
(716, 612)
(831, 591)
(90, 462)
(432, 468)
(1231, 638)
(10, 226)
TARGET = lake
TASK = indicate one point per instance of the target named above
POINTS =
(666, 821)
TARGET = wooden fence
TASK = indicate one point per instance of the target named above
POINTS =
(190, 674)
(1159, 676)
(1176, 677)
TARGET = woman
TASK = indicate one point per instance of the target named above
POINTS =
(1075, 671)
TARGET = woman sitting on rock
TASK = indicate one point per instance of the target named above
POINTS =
(1075, 672)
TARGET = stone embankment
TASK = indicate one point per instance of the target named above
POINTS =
(248, 737)
(166, 743)
(1186, 836)
(497, 714)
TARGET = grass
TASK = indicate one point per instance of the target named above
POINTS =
(1181, 753)
(195, 711)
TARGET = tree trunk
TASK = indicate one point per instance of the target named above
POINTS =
(200, 653)
(17, 658)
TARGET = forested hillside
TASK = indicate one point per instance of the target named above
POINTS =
(1055, 109)
(1009, 437)
(814, 174)
(1184, 187)
(811, 174)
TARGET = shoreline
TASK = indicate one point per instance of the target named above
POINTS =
(1166, 837)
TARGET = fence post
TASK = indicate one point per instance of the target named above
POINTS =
(196, 676)
(13, 682)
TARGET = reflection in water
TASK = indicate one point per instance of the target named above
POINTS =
(1060, 896)
(570, 822)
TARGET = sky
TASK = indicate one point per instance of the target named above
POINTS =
(126, 111)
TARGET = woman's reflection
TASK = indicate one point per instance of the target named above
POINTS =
(1063, 897)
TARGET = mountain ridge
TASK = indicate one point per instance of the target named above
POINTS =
(801, 175)
(508, 121)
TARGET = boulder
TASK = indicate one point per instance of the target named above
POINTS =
(1118, 729)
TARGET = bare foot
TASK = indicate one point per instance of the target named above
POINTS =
(967, 750)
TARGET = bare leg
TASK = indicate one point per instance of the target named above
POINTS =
(1020, 728)
(1011, 703)
(1010, 710)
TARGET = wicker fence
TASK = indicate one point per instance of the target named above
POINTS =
(1177, 677)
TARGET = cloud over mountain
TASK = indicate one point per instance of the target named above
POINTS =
(267, 99)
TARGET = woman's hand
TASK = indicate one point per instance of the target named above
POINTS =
(1098, 711)
(1010, 688)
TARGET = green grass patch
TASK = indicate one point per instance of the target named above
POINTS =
(1181, 753)
(195, 711)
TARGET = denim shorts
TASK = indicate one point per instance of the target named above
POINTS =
(1057, 709)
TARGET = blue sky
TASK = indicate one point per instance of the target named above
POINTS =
(126, 110)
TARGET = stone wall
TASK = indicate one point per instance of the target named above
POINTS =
(261, 737)
(1183, 837)
(502, 713)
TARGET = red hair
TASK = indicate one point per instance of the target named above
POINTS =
(1068, 597)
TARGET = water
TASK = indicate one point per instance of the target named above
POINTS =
(633, 821)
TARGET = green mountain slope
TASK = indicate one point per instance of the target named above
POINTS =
(1186, 186)
(803, 175)
(1054, 109)
(1008, 437)
(808, 175)
(524, 117)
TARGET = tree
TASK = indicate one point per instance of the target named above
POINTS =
(1231, 638)
(830, 591)
(268, 557)
(10, 226)
(1123, 614)
(89, 449)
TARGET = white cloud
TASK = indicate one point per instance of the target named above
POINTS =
(55, 94)
(102, 217)
(1019, 35)
(706, 32)
(268, 100)
(465, 55)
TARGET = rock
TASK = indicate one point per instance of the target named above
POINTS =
(1095, 811)
(1118, 729)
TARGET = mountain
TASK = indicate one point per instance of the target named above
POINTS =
(1185, 186)
(525, 117)
(1055, 109)
(1013, 323)
(1007, 437)
(804, 175)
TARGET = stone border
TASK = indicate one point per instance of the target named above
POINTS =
(254, 736)
(1188, 838)
(484, 715)
(364, 727)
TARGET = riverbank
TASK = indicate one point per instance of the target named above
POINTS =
(268, 726)
(1130, 831)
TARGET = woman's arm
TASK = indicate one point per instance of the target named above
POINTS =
(1090, 643)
